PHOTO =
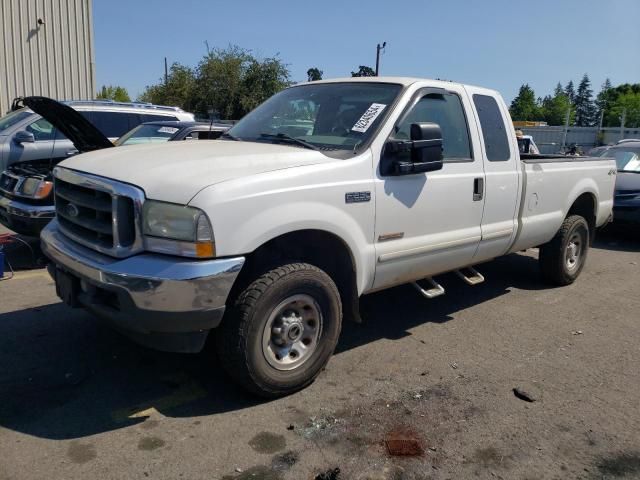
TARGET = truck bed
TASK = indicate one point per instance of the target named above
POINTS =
(552, 183)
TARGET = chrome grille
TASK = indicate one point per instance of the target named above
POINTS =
(99, 213)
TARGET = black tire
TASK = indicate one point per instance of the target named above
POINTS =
(555, 256)
(241, 336)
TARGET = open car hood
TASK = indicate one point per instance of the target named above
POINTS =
(84, 135)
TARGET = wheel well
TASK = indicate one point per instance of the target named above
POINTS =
(316, 247)
(585, 206)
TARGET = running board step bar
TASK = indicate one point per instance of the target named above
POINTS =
(470, 276)
(435, 291)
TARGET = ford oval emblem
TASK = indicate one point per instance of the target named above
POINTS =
(72, 210)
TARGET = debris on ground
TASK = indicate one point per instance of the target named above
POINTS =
(576, 332)
(284, 461)
(291, 427)
(454, 365)
(525, 394)
(403, 441)
(332, 474)
(320, 425)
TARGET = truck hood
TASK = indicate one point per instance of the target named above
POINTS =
(176, 171)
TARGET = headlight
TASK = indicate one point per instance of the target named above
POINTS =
(35, 188)
(177, 230)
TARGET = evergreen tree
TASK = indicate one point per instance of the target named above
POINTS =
(570, 91)
(524, 106)
(603, 99)
(585, 108)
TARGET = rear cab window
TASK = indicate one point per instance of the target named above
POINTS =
(494, 133)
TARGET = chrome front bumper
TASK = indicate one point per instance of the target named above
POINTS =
(166, 302)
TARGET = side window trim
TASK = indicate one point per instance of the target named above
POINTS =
(423, 92)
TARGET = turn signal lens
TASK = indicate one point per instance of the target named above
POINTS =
(205, 250)
(44, 189)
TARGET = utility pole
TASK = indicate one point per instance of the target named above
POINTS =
(378, 49)
(166, 72)
(622, 120)
(566, 128)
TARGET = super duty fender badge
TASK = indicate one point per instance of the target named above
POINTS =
(357, 197)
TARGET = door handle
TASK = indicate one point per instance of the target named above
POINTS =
(478, 189)
(72, 152)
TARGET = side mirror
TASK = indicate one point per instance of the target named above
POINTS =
(424, 151)
(24, 137)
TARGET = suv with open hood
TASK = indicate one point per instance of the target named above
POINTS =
(41, 132)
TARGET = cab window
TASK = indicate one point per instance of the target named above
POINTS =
(446, 110)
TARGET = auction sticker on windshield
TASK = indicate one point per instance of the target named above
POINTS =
(368, 117)
(167, 130)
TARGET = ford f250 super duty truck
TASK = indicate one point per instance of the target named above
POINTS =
(326, 192)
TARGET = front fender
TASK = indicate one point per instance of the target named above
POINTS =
(247, 213)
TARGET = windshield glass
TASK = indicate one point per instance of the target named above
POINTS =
(13, 118)
(329, 116)
(147, 133)
(627, 159)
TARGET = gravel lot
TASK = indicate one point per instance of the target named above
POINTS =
(435, 378)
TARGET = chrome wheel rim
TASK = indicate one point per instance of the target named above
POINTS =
(573, 251)
(292, 332)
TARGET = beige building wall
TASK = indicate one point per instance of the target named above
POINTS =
(46, 48)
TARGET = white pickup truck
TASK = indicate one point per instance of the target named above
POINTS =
(326, 192)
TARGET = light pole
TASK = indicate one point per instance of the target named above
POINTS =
(378, 49)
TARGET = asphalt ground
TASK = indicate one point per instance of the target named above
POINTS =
(432, 379)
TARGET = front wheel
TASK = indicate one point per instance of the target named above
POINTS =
(281, 330)
(562, 259)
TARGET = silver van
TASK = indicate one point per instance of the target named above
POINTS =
(26, 136)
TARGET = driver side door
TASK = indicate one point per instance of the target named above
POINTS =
(429, 223)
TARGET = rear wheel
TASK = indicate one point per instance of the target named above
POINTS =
(562, 259)
(281, 330)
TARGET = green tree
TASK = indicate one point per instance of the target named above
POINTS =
(603, 100)
(232, 81)
(570, 91)
(629, 104)
(364, 71)
(115, 93)
(177, 91)
(554, 108)
(226, 83)
(585, 108)
(524, 106)
(314, 74)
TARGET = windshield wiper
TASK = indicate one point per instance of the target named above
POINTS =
(283, 137)
(629, 171)
(229, 136)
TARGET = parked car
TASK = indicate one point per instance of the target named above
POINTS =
(33, 139)
(158, 132)
(626, 204)
(328, 191)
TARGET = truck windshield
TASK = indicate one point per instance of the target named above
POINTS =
(324, 116)
(14, 117)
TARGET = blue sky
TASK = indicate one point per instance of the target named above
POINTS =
(493, 43)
